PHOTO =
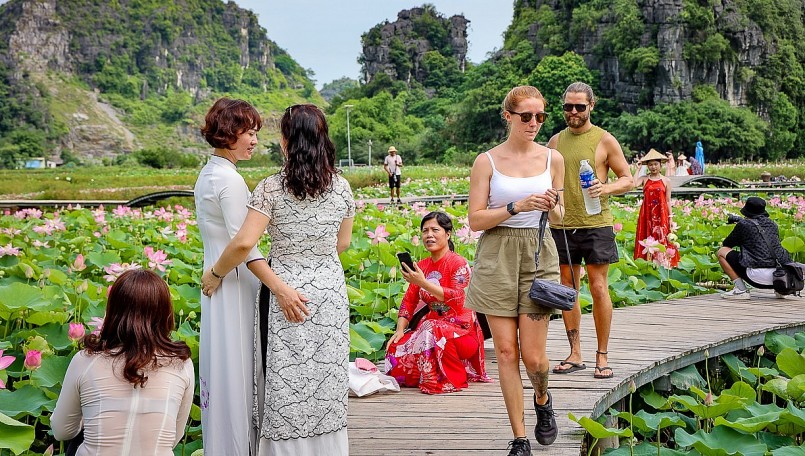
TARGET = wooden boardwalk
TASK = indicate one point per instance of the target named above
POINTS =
(647, 342)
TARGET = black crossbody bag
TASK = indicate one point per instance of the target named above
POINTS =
(546, 292)
(787, 279)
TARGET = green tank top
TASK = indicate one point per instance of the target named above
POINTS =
(575, 148)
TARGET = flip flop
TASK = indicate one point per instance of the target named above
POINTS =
(602, 369)
(573, 367)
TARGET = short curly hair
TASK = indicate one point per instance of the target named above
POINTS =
(227, 119)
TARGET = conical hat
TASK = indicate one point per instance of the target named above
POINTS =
(653, 155)
(681, 157)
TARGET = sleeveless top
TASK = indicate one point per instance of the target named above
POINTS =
(575, 148)
(503, 189)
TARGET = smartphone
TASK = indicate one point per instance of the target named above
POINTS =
(405, 258)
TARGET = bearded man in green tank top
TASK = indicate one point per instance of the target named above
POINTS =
(590, 237)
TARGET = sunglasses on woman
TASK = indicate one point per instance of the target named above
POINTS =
(568, 107)
(525, 117)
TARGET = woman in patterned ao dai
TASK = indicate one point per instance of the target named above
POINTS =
(307, 209)
(447, 347)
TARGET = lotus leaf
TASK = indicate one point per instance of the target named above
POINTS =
(796, 388)
(51, 372)
(687, 377)
(776, 342)
(598, 430)
(738, 368)
(793, 244)
(774, 441)
(358, 344)
(722, 441)
(27, 400)
(789, 451)
(777, 386)
(656, 400)
(648, 423)
(374, 338)
(791, 362)
(14, 435)
(721, 405)
(749, 425)
(648, 449)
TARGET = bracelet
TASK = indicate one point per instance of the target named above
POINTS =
(212, 271)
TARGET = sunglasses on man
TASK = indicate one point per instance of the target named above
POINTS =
(580, 107)
(526, 117)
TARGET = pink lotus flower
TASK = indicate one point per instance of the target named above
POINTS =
(9, 250)
(466, 235)
(649, 246)
(39, 244)
(122, 211)
(79, 264)
(76, 331)
(5, 361)
(33, 359)
(381, 207)
(163, 215)
(96, 323)
(359, 205)
(114, 270)
(48, 451)
(415, 240)
(378, 235)
(181, 232)
(618, 227)
(157, 259)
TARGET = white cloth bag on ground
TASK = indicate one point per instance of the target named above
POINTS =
(365, 382)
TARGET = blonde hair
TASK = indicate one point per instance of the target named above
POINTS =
(518, 94)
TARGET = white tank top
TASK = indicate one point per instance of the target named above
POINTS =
(504, 189)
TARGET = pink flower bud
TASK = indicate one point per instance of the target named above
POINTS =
(618, 227)
(708, 400)
(48, 451)
(76, 331)
(33, 359)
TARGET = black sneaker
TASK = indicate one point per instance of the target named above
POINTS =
(520, 447)
(546, 430)
(399, 201)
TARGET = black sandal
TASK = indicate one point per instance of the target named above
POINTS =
(599, 370)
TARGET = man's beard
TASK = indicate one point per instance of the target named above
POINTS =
(576, 121)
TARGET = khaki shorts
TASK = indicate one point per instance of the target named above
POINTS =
(504, 269)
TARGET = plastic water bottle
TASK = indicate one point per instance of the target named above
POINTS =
(586, 175)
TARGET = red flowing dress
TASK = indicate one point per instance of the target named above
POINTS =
(447, 348)
(654, 221)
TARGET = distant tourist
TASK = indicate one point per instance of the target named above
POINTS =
(654, 222)
(695, 167)
(591, 235)
(670, 164)
(682, 165)
(445, 348)
(511, 186)
(393, 165)
(758, 240)
(131, 388)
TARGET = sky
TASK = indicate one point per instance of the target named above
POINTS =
(325, 35)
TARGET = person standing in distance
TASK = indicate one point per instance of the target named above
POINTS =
(393, 166)
(590, 237)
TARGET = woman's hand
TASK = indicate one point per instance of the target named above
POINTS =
(292, 304)
(395, 337)
(415, 276)
(209, 283)
(535, 202)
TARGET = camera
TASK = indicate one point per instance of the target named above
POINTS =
(732, 218)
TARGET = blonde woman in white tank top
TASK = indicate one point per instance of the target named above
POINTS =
(510, 187)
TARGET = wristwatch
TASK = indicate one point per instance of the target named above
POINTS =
(510, 208)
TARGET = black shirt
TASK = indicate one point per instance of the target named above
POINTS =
(755, 252)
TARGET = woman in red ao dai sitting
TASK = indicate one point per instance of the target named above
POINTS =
(447, 347)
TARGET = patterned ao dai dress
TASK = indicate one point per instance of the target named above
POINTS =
(304, 393)
(654, 221)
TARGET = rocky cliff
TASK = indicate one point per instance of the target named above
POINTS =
(675, 46)
(398, 49)
(134, 50)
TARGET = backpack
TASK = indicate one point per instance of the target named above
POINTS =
(788, 279)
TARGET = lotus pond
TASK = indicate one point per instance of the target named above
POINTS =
(55, 268)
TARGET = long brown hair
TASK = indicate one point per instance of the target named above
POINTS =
(137, 326)
(310, 164)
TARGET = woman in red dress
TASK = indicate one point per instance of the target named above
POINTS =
(446, 349)
(654, 223)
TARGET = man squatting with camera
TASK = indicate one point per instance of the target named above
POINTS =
(757, 237)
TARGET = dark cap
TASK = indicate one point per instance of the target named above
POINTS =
(754, 207)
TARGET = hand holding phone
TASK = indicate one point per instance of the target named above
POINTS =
(405, 258)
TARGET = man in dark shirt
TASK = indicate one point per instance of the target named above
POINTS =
(760, 249)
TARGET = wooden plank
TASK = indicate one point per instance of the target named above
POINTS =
(646, 342)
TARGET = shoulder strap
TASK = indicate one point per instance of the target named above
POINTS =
(548, 164)
(768, 244)
(543, 222)
(491, 162)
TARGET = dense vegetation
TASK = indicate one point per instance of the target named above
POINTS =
(160, 64)
(460, 111)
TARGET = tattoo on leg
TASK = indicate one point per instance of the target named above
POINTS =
(539, 380)
(538, 317)
(573, 336)
(523, 417)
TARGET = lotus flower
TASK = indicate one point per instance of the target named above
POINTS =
(650, 246)
(618, 227)
(114, 270)
(79, 264)
(378, 235)
(157, 259)
(9, 250)
(96, 323)
(33, 359)
(5, 361)
(76, 331)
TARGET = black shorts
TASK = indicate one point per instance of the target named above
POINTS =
(593, 245)
(394, 181)
(734, 260)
